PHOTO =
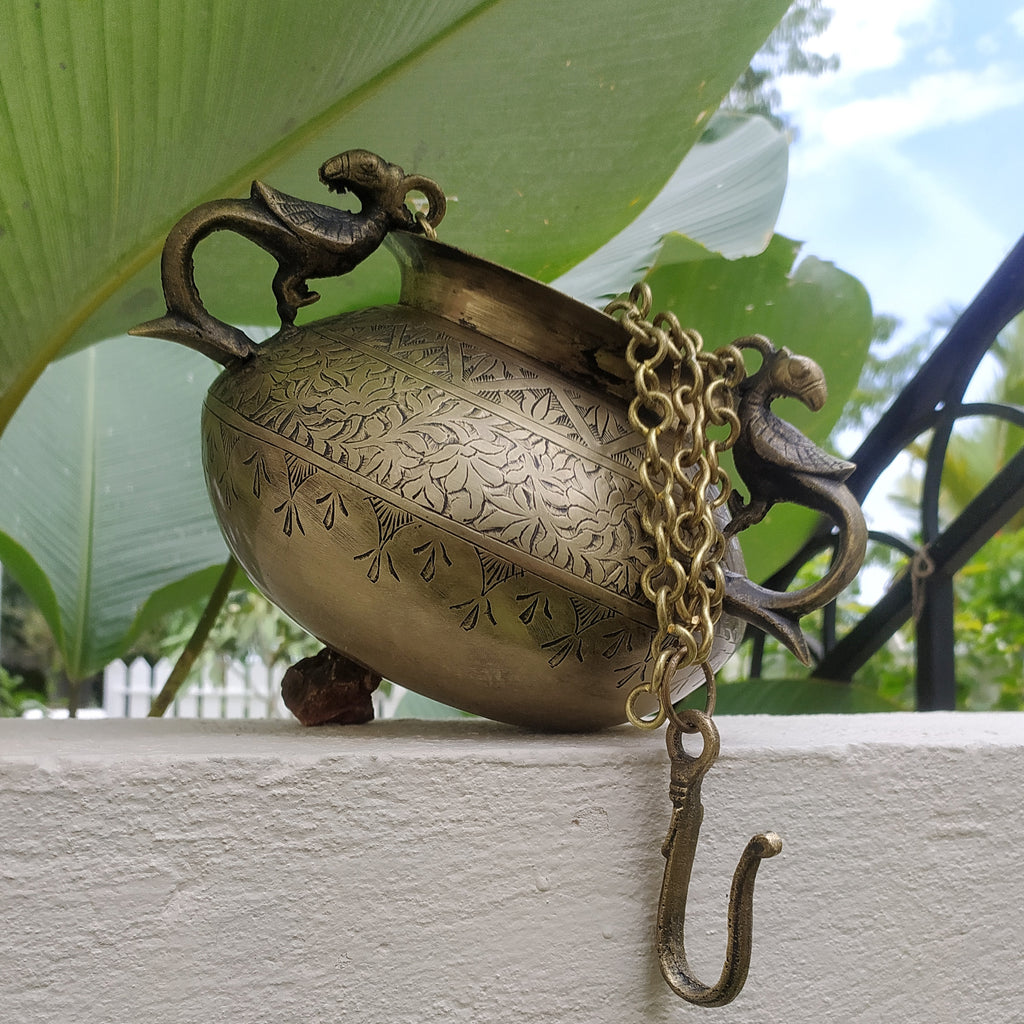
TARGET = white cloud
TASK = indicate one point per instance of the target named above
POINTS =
(872, 34)
(866, 35)
(940, 57)
(930, 101)
(916, 238)
(987, 45)
(916, 242)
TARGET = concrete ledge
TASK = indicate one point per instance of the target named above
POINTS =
(418, 872)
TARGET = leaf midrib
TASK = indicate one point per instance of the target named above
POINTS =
(149, 249)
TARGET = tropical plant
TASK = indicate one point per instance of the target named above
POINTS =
(980, 446)
(104, 519)
(989, 622)
(16, 696)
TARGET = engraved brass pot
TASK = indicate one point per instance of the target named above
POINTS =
(444, 491)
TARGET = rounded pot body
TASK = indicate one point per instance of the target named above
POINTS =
(445, 490)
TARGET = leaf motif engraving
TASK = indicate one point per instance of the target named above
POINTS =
(527, 614)
(292, 518)
(472, 617)
(497, 452)
(333, 502)
(429, 570)
(259, 471)
(587, 614)
(389, 521)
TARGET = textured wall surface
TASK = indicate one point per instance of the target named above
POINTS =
(215, 872)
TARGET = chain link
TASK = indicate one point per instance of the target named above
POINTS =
(425, 226)
(681, 391)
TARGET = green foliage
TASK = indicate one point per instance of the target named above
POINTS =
(249, 626)
(530, 115)
(795, 696)
(28, 647)
(885, 684)
(16, 696)
(806, 304)
(989, 649)
(988, 620)
(981, 447)
(989, 623)
(887, 368)
(116, 125)
(726, 194)
(989, 613)
(105, 500)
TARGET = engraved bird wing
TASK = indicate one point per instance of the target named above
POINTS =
(310, 221)
(780, 443)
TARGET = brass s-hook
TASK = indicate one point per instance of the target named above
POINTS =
(679, 849)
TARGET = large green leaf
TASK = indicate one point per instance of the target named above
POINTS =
(549, 124)
(811, 306)
(725, 194)
(103, 500)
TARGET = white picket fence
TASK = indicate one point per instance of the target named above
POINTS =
(249, 690)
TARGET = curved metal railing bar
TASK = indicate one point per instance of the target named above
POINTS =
(932, 401)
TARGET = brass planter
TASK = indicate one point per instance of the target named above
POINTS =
(448, 490)
(444, 490)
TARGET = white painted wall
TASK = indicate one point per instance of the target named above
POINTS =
(239, 872)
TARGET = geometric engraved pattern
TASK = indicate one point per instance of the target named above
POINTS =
(474, 434)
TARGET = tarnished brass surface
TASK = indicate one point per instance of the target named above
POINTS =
(445, 511)
(448, 491)
(307, 240)
(579, 344)
(680, 392)
(677, 383)
(778, 464)
(680, 846)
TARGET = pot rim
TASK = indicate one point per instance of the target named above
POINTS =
(574, 339)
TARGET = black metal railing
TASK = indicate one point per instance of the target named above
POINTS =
(932, 401)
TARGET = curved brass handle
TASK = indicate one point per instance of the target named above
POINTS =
(779, 464)
(679, 849)
(307, 240)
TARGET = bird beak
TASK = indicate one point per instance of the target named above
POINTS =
(334, 171)
(814, 395)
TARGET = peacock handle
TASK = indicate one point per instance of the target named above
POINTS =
(778, 463)
(308, 240)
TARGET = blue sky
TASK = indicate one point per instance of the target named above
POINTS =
(908, 169)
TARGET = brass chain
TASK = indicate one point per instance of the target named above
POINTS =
(681, 391)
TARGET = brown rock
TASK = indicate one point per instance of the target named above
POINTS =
(329, 689)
